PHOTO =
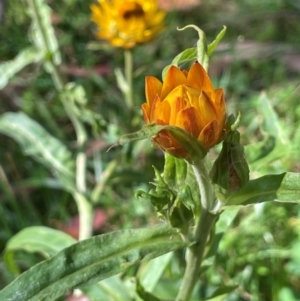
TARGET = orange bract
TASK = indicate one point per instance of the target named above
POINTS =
(126, 23)
(186, 99)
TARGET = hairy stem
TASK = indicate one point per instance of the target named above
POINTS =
(206, 221)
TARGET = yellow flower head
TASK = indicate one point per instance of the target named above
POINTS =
(125, 23)
(186, 99)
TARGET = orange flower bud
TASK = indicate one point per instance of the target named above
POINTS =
(125, 23)
(186, 99)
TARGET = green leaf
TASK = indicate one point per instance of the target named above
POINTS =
(212, 46)
(111, 288)
(226, 219)
(36, 240)
(75, 95)
(182, 211)
(220, 293)
(145, 295)
(261, 149)
(284, 187)
(176, 194)
(189, 54)
(189, 142)
(150, 272)
(25, 57)
(90, 261)
(39, 144)
(175, 171)
(202, 55)
(271, 123)
(275, 145)
(42, 31)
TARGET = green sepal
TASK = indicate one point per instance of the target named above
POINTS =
(161, 197)
(176, 194)
(181, 213)
(185, 197)
(158, 198)
(189, 142)
(179, 177)
(175, 171)
(230, 172)
(233, 122)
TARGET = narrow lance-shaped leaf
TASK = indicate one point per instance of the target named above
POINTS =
(220, 293)
(283, 187)
(276, 144)
(189, 142)
(191, 54)
(150, 272)
(42, 31)
(202, 55)
(90, 261)
(144, 294)
(212, 46)
(38, 143)
(112, 289)
(25, 57)
(36, 239)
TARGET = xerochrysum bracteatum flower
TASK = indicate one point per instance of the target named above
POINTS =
(126, 23)
(186, 99)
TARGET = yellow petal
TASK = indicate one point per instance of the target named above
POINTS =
(146, 112)
(188, 119)
(221, 108)
(127, 23)
(198, 78)
(208, 135)
(152, 88)
(177, 101)
(163, 112)
(153, 108)
(174, 78)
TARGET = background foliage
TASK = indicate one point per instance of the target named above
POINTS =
(256, 63)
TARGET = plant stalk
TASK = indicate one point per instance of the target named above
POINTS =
(128, 76)
(84, 205)
(196, 251)
(86, 216)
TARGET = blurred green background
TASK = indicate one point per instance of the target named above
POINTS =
(258, 65)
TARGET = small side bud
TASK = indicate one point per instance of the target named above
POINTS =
(230, 171)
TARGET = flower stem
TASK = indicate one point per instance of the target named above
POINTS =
(128, 76)
(84, 205)
(206, 221)
(96, 193)
(205, 186)
(195, 255)
(86, 216)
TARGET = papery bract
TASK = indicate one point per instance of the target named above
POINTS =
(127, 23)
(186, 99)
